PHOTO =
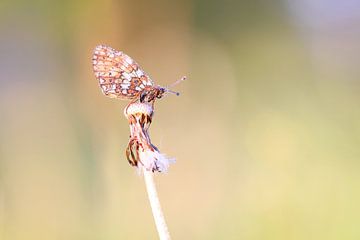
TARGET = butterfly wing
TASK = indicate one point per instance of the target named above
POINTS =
(118, 74)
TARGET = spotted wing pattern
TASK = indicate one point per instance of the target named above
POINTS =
(118, 74)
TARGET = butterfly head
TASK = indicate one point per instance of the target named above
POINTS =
(150, 94)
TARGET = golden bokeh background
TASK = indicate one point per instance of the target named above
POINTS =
(266, 131)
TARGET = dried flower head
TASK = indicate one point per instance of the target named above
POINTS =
(140, 152)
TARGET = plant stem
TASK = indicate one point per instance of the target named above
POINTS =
(155, 205)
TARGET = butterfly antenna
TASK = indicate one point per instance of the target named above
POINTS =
(173, 84)
(171, 91)
(178, 81)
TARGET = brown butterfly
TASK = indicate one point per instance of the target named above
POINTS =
(121, 77)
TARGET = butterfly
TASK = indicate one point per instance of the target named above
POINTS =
(121, 77)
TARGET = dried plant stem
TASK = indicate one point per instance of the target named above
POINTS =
(155, 205)
(146, 157)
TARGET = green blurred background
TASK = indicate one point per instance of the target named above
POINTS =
(266, 132)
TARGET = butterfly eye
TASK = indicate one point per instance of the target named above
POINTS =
(142, 96)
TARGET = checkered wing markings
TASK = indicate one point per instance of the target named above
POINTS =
(118, 74)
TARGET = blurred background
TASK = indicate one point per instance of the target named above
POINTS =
(266, 131)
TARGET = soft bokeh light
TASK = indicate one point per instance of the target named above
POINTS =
(266, 131)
